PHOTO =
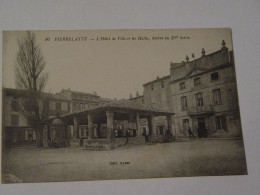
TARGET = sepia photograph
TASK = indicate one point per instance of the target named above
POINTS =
(84, 105)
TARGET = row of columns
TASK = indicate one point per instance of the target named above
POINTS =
(110, 126)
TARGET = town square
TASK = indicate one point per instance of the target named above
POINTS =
(90, 110)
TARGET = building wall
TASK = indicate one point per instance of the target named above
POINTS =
(169, 97)
(80, 100)
(63, 98)
(8, 112)
(228, 108)
(157, 93)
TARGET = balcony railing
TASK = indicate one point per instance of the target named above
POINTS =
(200, 110)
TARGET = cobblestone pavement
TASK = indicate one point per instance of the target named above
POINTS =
(190, 158)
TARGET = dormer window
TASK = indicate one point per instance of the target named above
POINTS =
(197, 81)
(182, 85)
(214, 76)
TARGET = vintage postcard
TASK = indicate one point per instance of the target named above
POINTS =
(119, 104)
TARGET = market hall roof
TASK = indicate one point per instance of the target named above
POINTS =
(125, 106)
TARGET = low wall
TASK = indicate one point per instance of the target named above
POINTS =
(102, 144)
(152, 138)
(136, 140)
(96, 144)
(159, 138)
(120, 142)
(74, 143)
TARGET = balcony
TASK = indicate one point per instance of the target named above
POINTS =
(201, 110)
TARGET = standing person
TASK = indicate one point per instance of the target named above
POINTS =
(190, 133)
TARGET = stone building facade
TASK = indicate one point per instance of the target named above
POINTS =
(158, 95)
(16, 128)
(80, 100)
(202, 93)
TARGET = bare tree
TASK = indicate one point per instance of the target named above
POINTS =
(31, 80)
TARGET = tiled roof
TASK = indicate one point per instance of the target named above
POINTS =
(123, 104)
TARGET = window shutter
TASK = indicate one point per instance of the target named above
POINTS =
(34, 135)
(224, 124)
(26, 135)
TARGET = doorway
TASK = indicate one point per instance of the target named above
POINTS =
(145, 133)
(202, 131)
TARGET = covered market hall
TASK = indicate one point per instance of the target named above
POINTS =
(113, 124)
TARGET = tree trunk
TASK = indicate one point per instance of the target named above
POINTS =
(39, 135)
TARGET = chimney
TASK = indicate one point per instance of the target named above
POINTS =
(224, 48)
(187, 58)
(203, 53)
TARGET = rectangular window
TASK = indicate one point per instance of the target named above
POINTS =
(46, 105)
(28, 105)
(26, 135)
(197, 81)
(81, 106)
(221, 123)
(183, 103)
(185, 123)
(199, 99)
(159, 130)
(14, 119)
(34, 136)
(217, 96)
(82, 130)
(68, 106)
(162, 84)
(182, 86)
(75, 105)
(15, 105)
(58, 106)
(214, 76)
(30, 135)
(152, 87)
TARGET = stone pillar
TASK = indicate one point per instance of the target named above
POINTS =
(151, 125)
(45, 136)
(154, 125)
(164, 130)
(170, 125)
(95, 132)
(76, 128)
(98, 129)
(110, 129)
(90, 126)
(152, 130)
(138, 126)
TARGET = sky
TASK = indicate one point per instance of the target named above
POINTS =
(112, 68)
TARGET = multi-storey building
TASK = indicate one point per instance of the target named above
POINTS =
(80, 100)
(158, 95)
(202, 93)
(16, 128)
